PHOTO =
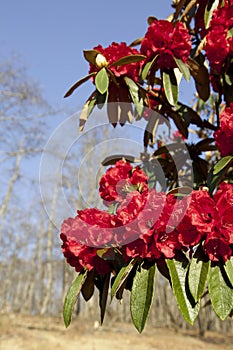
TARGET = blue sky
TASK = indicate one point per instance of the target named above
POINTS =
(50, 35)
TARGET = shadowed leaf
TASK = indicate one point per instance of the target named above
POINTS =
(78, 83)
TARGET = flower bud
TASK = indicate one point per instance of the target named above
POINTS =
(101, 61)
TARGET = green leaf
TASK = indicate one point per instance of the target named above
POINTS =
(217, 174)
(78, 83)
(103, 296)
(86, 110)
(211, 6)
(229, 270)
(90, 56)
(141, 296)
(102, 81)
(223, 163)
(134, 91)
(121, 277)
(230, 33)
(221, 293)
(178, 270)
(71, 297)
(101, 99)
(147, 67)
(197, 275)
(128, 59)
(88, 286)
(183, 68)
(170, 87)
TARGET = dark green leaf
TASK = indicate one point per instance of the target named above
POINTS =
(229, 270)
(170, 87)
(214, 179)
(90, 56)
(128, 59)
(197, 275)
(121, 277)
(222, 163)
(136, 42)
(201, 76)
(204, 145)
(86, 111)
(111, 160)
(134, 91)
(141, 296)
(88, 286)
(180, 123)
(101, 99)
(151, 19)
(71, 297)
(178, 271)
(147, 68)
(103, 296)
(78, 83)
(102, 81)
(183, 68)
(221, 294)
(210, 7)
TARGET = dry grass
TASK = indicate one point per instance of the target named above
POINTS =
(19, 332)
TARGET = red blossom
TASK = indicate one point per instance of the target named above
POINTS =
(120, 180)
(224, 135)
(217, 247)
(81, 256)
(218, 43)
(167, 40)
(114, 52)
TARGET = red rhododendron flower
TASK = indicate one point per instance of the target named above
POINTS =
(81, 256)
(224, 135)
(120, 180)
(217, 41)
(217, 247)
(114, 52)
(92, 227)
(202, 211)
(167, 40)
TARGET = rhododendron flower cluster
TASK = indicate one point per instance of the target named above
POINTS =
(114, 52)
(219, 43)
(148, 224)
(167, 40)
(224, 135)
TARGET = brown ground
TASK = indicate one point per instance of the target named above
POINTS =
(34, 333)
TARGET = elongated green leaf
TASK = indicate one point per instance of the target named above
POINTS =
(88, 286)
(217, 174)
(229, 270)
(90, 56)
(223, 163)
(121, 277)
(102, 81)
(178, 271)
(209, 12)
(86, 110)
(141, 297)
(135, 95)
(71, 297)
(148, 67)
(128, 59)
(230, 33)
(183, 68)
(103, 296)
(170, 87)
(78, 83)
(197, 275)
(221, 294)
